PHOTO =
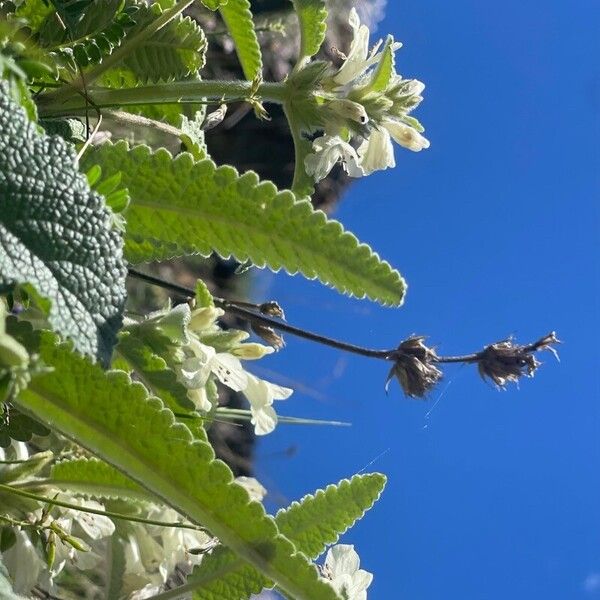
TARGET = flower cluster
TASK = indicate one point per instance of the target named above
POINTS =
(214, 354)
(367, 100)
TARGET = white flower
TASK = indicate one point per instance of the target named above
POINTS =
(359, 59)
(342, 569)
(94, 526)
(255, 489)
(196, 370)
(376, 152)
(24, 563)
(405, 135)
(153, 552)
(367, 99)
(261, 395)
(328, 150)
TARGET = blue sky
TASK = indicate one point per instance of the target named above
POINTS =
(491, 495)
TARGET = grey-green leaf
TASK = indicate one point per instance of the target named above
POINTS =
(56, 235)
(179, 206)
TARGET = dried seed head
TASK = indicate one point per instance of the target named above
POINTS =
(415, 367)
(268, 335)
(505, 361)
(272, 309)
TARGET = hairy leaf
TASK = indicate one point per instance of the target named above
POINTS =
(238, 18)
(385, 68)
(97, 37)
(55, 235)
(95, 478)
(116, 420)
(145, 349)
(312, 16)
(175, 51)
(179, 207)
(311, 524)
(213, 4)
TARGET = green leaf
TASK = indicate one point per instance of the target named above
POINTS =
(115, 419)
(213, 4)
(385, 69)
(97, 35)
(203, 296)
(55, 234)
(238, 19)
(145, 349)
(95, 478)
(175, 51)
(318, 520)
(312, 16)
(311, 524)
(180, 207)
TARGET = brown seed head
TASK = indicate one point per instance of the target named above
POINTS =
(415, 367)
(268, 335)
(505, 362)
(272, 309)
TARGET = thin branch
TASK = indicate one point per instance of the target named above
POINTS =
(113, 515)
(414, 365)
(252, 314)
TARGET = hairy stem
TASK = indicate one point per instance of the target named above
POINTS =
(62, 94)
(50, 104)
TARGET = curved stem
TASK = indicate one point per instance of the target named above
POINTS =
(251, 314)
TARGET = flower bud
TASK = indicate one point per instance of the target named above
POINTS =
(252, 351)
(215, 118)
(51, 550)
(202, 318)
(76, 543)
(347, 109)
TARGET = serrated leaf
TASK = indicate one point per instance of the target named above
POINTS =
(238, 19)
(312, 17)
(144, 349)
(311, 524)
(55, 235)
(213, 4)
(116, 420)
(95, 478)
(318, 520)
(175, 51)
(180, 207)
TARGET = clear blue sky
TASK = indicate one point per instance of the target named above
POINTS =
(491, 495)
